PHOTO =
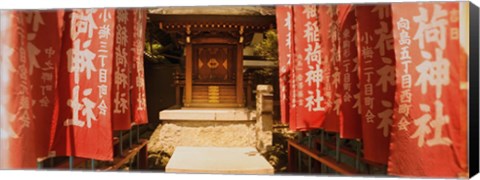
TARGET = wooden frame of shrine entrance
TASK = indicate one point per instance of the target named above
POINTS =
(195, 32)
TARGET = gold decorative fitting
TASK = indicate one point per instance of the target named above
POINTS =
(188, 29)
(160, 25)
(241, 30)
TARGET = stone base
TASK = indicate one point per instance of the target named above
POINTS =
(171, 134)
(208, 114)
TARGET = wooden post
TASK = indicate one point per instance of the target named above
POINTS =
(188, 70)
(177, 89)
(291, 159)
(239, 71)
(249, 89)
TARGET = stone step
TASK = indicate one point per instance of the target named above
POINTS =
(219, 96)
(218, 101)
(221, 93)
(214, 105)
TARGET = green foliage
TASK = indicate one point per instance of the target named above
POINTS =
(268, 48)
(153, 51)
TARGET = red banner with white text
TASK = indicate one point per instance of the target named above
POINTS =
(284, 34)
(123, 35)
(310, 103)
(377, 78)
(350, 115)
(84, 127)
(138, 99)
(330, 66)
(427, 131)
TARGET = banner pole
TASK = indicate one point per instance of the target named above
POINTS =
(338, 148)
(70, 162)
(121, 143)
(39, 164)
(130, 137)
(322, 149)
(51, 162)
(357, 155)
(138, 134)
(93, 164)
(299, 153)
(309, 139)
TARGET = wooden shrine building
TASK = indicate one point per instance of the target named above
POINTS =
(213, 44)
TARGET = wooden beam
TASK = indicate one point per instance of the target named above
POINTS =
(129, 153)
(188, 75)
(239, 74)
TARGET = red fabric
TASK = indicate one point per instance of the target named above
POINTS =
(377, 78)
(17, 118)
(430, 117)
(310, 105)
(350, 115)
(44, 44)
(84, 127)
(29, 56)
(121, 69)
(285, 40)
(331, 66)
(138, 100)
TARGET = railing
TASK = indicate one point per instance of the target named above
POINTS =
(126, 148)
(316, 149)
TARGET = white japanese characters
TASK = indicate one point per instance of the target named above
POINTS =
(313, 98)
(434, 71)
(82, 62)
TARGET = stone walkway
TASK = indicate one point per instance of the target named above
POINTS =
(218, 160)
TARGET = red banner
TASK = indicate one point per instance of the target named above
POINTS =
(84, 127)
(124, 26)
(17, 119)
(44, 46)
(350, 115)
(29, 58)
(377, 78)
(139, 103)
(330, 65)
(310, 103)
(427, 133)
(284, 34)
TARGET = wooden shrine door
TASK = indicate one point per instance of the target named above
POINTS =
(214, 75)
(214, 64)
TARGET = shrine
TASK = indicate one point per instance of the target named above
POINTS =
(212, 75)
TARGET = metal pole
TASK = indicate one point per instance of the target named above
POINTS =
(309, 139)
(93, 164)
(39, 164)
(70, 162)
(121, 143)
(322, 149)
(138, 160)
(357, 156)
(299, 153)
(138, 133)
(130, 138)
(338, 148)
(51, 162)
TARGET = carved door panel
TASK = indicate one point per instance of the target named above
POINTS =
(213, 64)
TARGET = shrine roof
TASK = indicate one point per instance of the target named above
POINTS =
(216, 10)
